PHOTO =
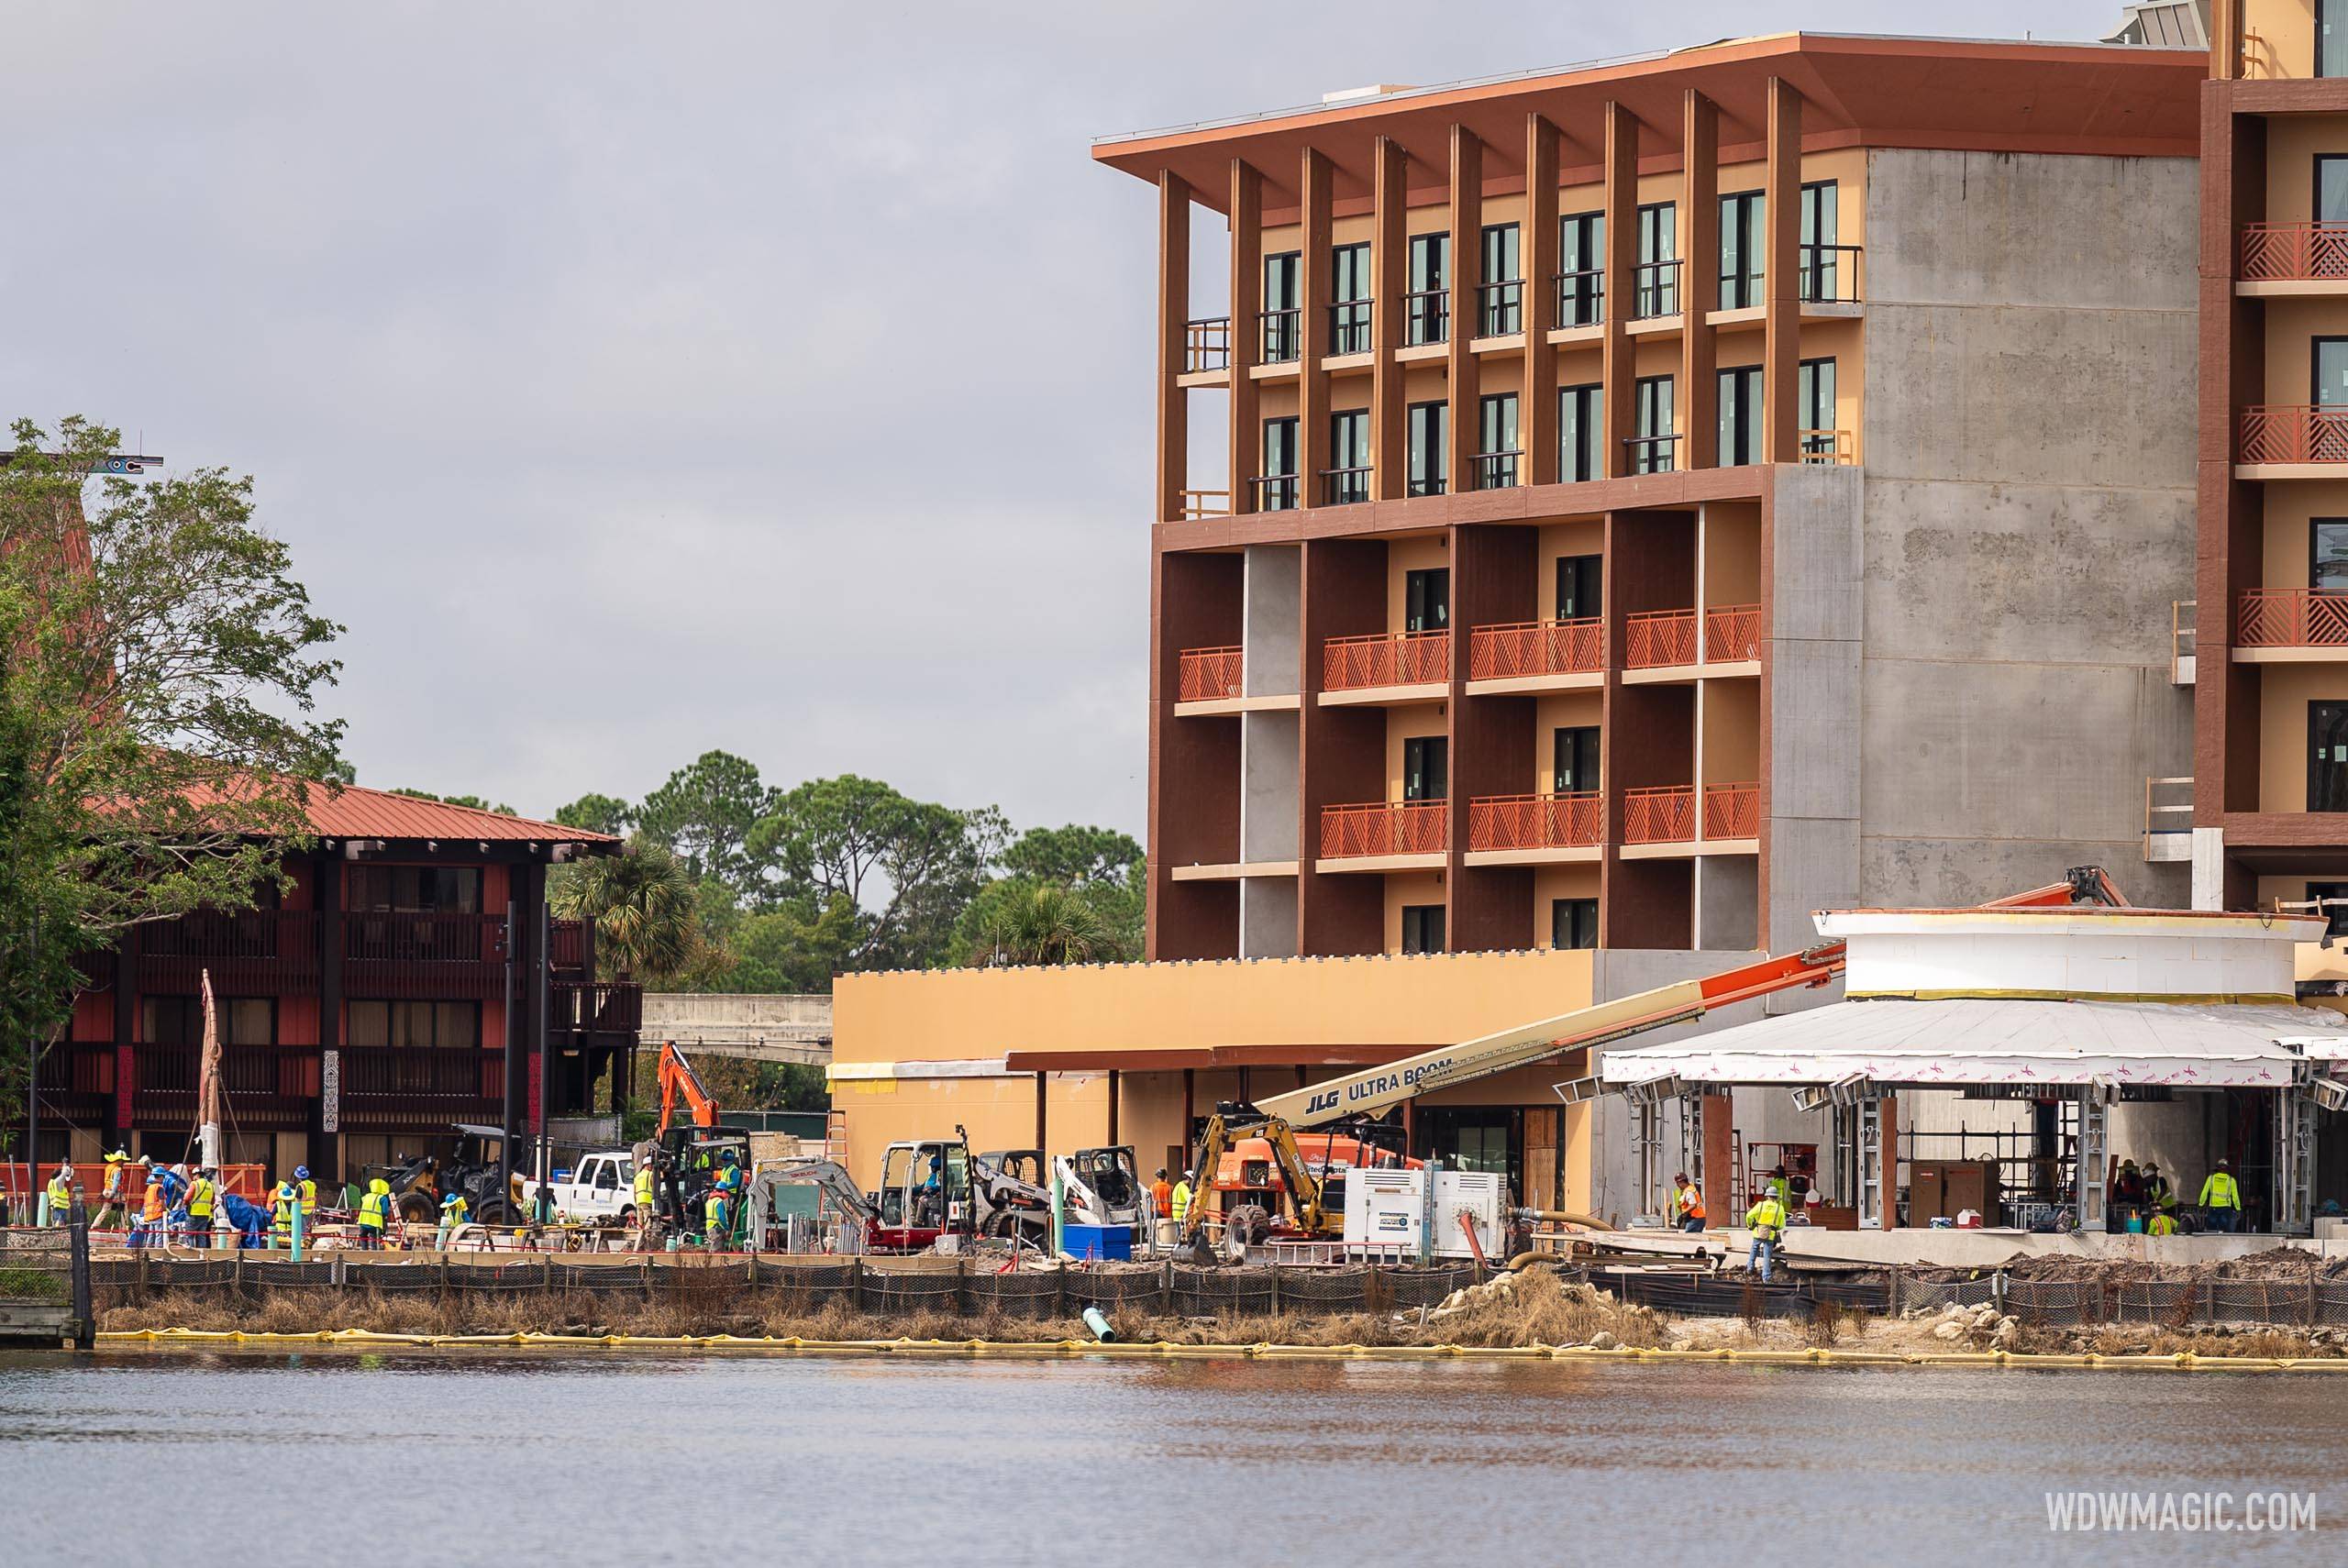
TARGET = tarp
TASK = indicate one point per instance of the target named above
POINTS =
(1960, 1041)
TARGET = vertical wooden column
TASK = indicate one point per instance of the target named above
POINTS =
(1698, 358)
(327, 897)
(1389, 251)
(1887, 1124)
(1467, 272)
(1043, 1128)
(1537, 418)
(2225, 40)
(1115, 1086)
(1312, 336)
(126, 1038)
(1246, 331)
(1781, 320)
(1721, 1205)
(1621, 159)
(1173, 330)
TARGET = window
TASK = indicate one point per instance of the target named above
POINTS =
(1428, 427)
(2338, 913)
(2332, 187)
(1814, 408)
(1577, 587)
(1740, 416)
(1573, 922)
(1348, 476)
(1426, 600)
(1575, 749)
(1822, 264)
(421, 1025)
(2329, 361)
(1578, 421)
(1742, 248)
(2328, 756)
(1278, 482)
(1421, 927)
(436, 890)
(1501, 306)
(2327, 554)
(2331, 38)
(1656, 282)
(1427, 769)
(1428, 319)
(1496, 431)
(1283, 293)
(1581, 269)
(1651, 448)
(1349, 287)
(179, 1021)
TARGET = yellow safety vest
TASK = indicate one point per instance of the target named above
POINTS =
(714, 1211)
(2220, 1191)
(61, 1198)
(1767, 1218)
(372, 1211)
(309, 1198)
(199, 1201)
(454, 1213)
(286, 1199)
(114, 1182)
(644, 1191)
(2162, 1225)
(1181, 1201)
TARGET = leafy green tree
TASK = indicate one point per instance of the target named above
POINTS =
(910, 866)
(1073, 855)
(159, 743)
(706, 812)
(797, 947)
(1021, 921)
(646, 909)
(1100, 868)
(598, 814)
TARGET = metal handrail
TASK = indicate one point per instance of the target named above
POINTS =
(2299, 251)
(1828, 447)
(1385, 659)
(1644, 451)
(1576, 646)
(1660, 815)
(1655, 289)
(1825, 271)
(1345, 487)
(2292, 618)
(1581, 297)
(1385, 827)
(1275, 493)
(1349, 322)
(1495, 471)
(1199, 503)
(1658, 639)
(1576, 819)
(2288, 433)
(1282, 341)
(1732, 811)
(1208, 675)
(1500, 307)
(1206, 344)
(1426, 317)
(1732, 634)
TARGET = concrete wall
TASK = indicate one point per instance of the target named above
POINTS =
(2029, 442)
(1818, 562)
(1272, 619)
(1268, 917)
(1267, 786)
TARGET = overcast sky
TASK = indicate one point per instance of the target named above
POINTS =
(633, 380)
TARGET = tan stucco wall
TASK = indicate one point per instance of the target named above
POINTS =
(2285, 691)
(2284, 45)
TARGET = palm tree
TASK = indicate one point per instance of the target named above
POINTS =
(1043, 924)
(646, 914)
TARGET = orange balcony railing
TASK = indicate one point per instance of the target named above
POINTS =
(1403, 827)
(1667, 815)
(1732, 811)
(2292, 618)
(1208, 675)
(1731, 632)
(2277, 433)
(1388, 659)
(1536, 822)
(1536, 647)
(1652, 638)
(2277, 252)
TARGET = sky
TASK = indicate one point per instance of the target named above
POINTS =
(632, 380)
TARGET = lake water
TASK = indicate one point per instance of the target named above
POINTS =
(415, 1460)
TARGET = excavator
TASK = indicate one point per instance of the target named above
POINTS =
(692, 1150)
(1374, 1091)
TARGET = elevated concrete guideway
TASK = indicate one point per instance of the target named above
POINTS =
(759, 1028)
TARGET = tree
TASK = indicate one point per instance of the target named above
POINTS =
(797, 947)
(160, 670)
(1037, 922)
(857, 839)
(646, 909)
(598, 814)
(1099, 868)
(1073, 855)
(473, 802)
(706, 812)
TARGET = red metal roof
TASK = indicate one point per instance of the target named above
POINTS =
(357, 812)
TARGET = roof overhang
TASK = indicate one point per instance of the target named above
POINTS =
(1178, 1058)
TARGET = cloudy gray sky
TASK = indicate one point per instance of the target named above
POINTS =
(756, 376)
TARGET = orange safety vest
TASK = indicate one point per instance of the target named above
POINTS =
(154, 1209)
(1691, 1201)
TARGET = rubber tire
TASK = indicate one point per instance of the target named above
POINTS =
(1247, 1225)
(493, 1211)
(416, 1208)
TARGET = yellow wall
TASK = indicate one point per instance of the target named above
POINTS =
(1407, 723)
(1404, 556)
(1558, 711)
(1408, 888)
(1732, 555)
(2292, 142)
(2289, 508)
(2284, 44)
(2284, 691)
(1732, 719)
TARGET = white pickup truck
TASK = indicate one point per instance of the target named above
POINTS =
(601, 1190)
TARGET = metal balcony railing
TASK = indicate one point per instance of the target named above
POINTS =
(1283, 335)
(1385, 659)
(2292, 618)
(1654, 453)
(1732, 634)
(1402, 827)
(1537, 647)
(411, 936)
(1654, 289)
(2276, 252)
(1500, 307)
(2282, 433)
(1494, 470)
(1276, 493)
(1206, 344)
(1665, 815)
(1830, 274)
(1656, 639)
(1349, 327)
(1426, 316)
(1345, 487)
(1536, 822)
(1207, 674)
(1827, 447)
(1581, 298)
(1732, 811)
(1202, 503)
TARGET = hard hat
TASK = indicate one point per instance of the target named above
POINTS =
(301, 1173)
(452, 1199)
(65, 1170)
(731, 1158)
(379, 1185)
(116, 1157)
(2222, 1165)
(148, 1161)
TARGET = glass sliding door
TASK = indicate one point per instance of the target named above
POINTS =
(1427, 769)
(1654, 283)
(1421, 927)
(1502, 309)
(2331, 38)
(1426, 316)
(1651, 450)
(1822, 263)
(1742, 248)
(1348, 480)
(1740, 398)
(1814, 408)
(1578, 587)
(1284, 293)
(1573, 922)
(2328, 756)
(1349, 287)
(1581, 269)
(1574, 759)
(1578, 425)
(1426, 600)
(1427, 429)
(1278, 486)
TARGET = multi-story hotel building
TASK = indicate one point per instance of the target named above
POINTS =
(1602, 516)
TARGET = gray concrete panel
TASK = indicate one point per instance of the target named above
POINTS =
(1267, 780)
(1273, 620)
(1946, 872)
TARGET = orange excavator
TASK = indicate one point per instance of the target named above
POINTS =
(696, 1148)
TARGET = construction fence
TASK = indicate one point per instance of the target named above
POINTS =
(2312, 1302)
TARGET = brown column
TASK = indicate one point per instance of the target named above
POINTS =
(1890, 1121)
(1246, 331)
(1041, 1127)
(1720, 1206)
(1173, 328)
(1620, 158)
(2225, 40)
(1390, 253)
(1537, 419)
(1111, 1141)
(1781, 321)
(1700, 222)
(1466, 271)
(1312, 381)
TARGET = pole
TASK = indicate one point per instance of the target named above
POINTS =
(86, 1314)
(506, 1143)
(546, 1079)
(33, 1089)
(296, 1229)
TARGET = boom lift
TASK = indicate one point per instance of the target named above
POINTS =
(1374, 1091)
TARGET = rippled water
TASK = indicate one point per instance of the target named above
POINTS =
(429, 1461)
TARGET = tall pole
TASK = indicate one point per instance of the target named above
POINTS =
(32, 1087)
(546, 1080)
(506, 1143)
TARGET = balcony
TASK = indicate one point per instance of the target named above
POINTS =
(1386, 665)
(1345, 487)
(1654, 453)
(1276, 493)
(1426, 317)
(1535, 656)
(1206, 346)
(1493, 471)
(1833, 448)
(1534, 829)
(1282, 336)
(1830, 274)
(1666, 821)
(1581, 300)
(2287, 625)
(1349, 327)
(1207, 674)
(601, 1006)
(2293, 253)
(2286, 441)
(1725, 640)
(1654, 289)
(1500, 308)
(1385, 835)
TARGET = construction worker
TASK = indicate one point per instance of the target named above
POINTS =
(1766, 1220)
(2164, 1222)
(203, 1198)
(282, 1204)
(309, 1191)
(60, 1196)
(157, 1203)
(647, 1206)
(111, 1212)
(374, 1210)
(453, 1209)
(1781, 1187)
(713, 1220)
(1182, 1200)
(2221, 1200)
(729, 1175)
(1686, 1204)
(2156, 1191)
